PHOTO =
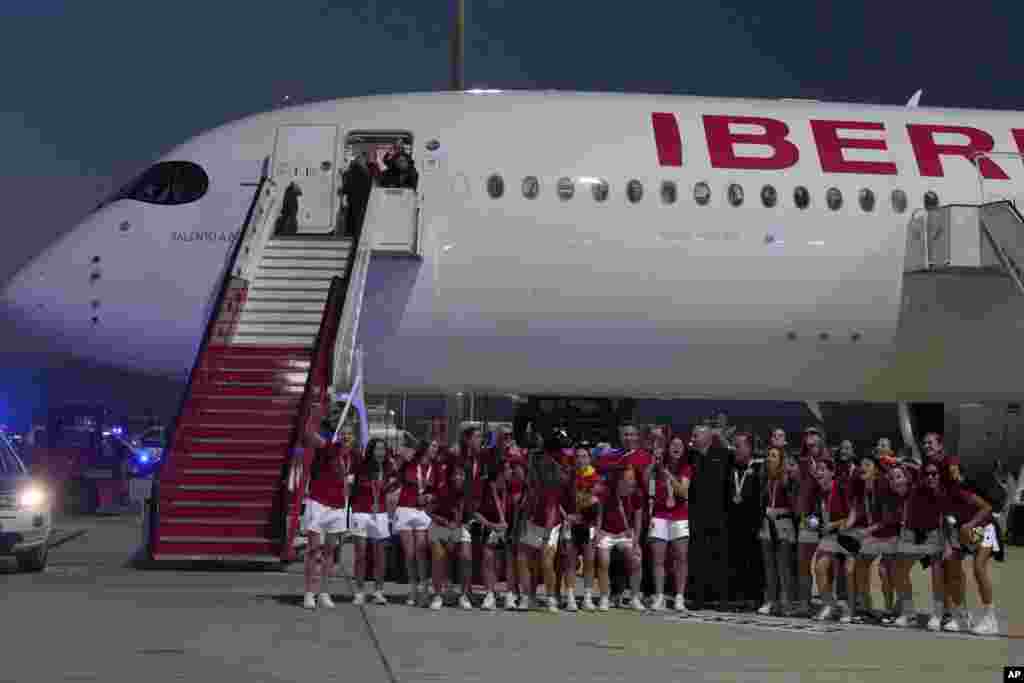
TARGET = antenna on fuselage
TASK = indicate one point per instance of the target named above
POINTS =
(915, 99)
(458, 46)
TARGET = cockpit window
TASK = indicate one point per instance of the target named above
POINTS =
(166, 183)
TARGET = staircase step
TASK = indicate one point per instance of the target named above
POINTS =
(281, 352)
(257, 478)
(272, 274)
(325, 261)
(178, 493)
(257, 435)
(270, 305)
(255, 404)
(254, 377)
(260, 287)
(179, 532)
(236, 551)
(307, 339)
(318, 297)
(198, 461)
(234, 448)
(283, 391)
(262, 510)
(239, 418)
(329, 244)
(277, 328)
(252, 362)
(283, 315)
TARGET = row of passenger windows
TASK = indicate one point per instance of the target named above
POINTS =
(600, 189)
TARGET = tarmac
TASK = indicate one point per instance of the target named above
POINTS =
(92, 616)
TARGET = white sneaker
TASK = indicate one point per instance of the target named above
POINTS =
(681, 603)
(570, 602)
(413, 598)
(903, 621)
(966, 621)
(934, 622)
(658, 604)
(309, 601)
(987, 626)
(825, 614)
(637, 605)
(605, 604)
(625, 599)
(588, 603)
(765, 609)
(464, 602)
(510, 600)
(952, 626)
(379, 599)
(359, 599)
(325, 600)
(488, 602)
(525, 602)
(437, 602)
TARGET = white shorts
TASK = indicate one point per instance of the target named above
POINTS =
(371, 526)
(612, 541)
(324, 520)
(449, 536)
(411, 519)
(669, 530)
(535, 536)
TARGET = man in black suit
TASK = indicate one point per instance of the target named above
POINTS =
(745, 562)
(709, 529)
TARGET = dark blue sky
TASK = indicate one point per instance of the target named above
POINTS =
(93, 91)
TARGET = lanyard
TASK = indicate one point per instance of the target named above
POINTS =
(420, 478)
(739, 483)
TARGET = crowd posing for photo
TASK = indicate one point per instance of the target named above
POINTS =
(664, 522)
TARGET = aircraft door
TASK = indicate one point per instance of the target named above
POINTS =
(304, 163)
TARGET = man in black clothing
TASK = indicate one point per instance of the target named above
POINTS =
(709, 530)
(745, 562)
(356, 187)
(400, 173)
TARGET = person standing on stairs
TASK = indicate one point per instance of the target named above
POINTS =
(325, 517)
(374, 476)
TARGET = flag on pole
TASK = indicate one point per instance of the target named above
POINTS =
(355, 398)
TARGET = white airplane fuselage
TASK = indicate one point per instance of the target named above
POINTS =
(575, 296)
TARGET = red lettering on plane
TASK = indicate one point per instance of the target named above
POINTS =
(721, 142)
(831, 146)
(667, 139)
(928, 152)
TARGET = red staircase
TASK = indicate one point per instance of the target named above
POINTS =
(222, 492)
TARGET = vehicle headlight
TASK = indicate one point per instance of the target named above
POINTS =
(32, 497)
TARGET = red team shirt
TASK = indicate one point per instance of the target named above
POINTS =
(680, 510)
(367, 486)
(329, 488)
(409, 497)
(613, 522)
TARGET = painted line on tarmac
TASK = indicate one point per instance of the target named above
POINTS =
(58, 541)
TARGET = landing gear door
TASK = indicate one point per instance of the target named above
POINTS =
(305, 157)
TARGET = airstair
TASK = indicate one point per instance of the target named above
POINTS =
(962, 309)
(280, 345)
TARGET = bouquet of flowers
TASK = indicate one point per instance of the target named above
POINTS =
(586, 480)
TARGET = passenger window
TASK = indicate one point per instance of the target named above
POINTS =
(899, 201)
(634, 191)
(834, 198)
(495, 186)
(769, 197)
(735, 194)
(931, 200)
(531, 187)
(702, 193)
(600, 190)
(168, 183)
(867, 200)
(566, 188)
(668, 192)
(801, 197)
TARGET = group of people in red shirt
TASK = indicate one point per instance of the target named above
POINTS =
(765, 529)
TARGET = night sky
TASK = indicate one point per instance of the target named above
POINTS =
(93, 91)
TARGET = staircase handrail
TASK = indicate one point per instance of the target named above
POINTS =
(314, 394)
(1005, 260)
(345, 346)
(225, 285)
